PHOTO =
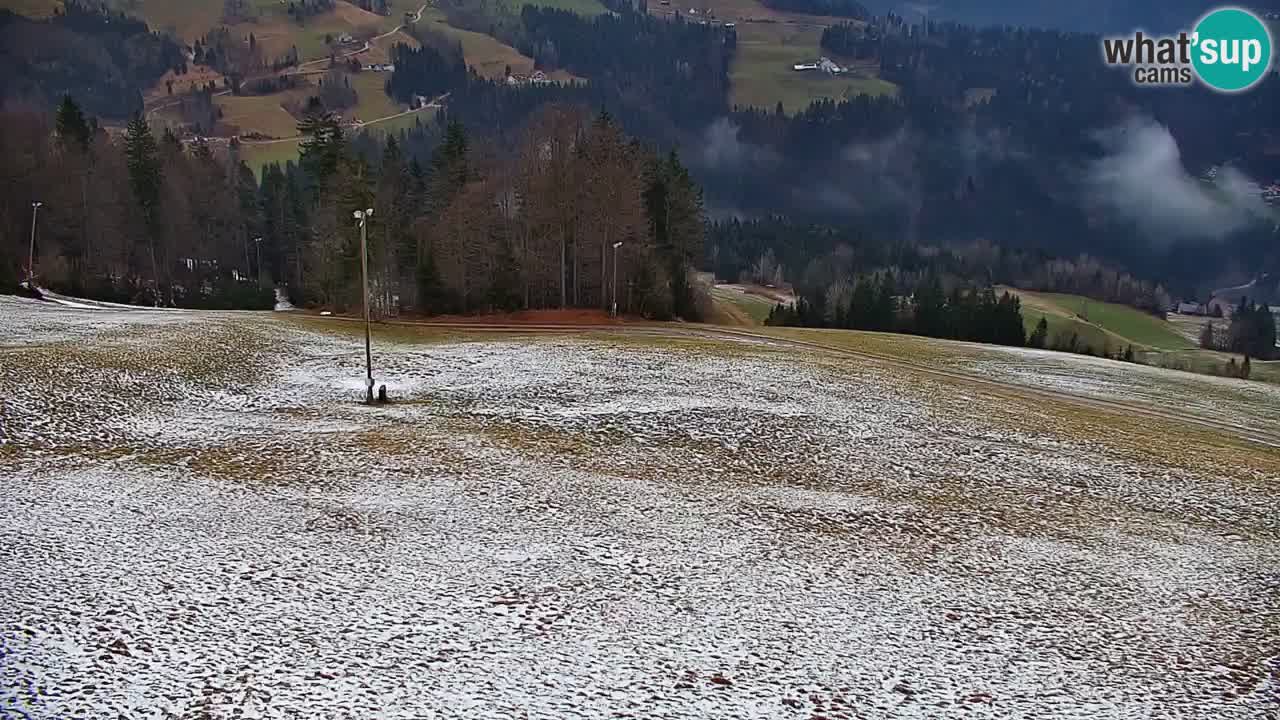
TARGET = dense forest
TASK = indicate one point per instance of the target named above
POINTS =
(106, 60)
(886, 302)
(815, 257)
(148, 219)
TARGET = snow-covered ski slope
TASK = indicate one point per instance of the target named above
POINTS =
(201, 522)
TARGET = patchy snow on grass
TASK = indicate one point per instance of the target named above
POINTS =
(1219, 398)
(208, 524)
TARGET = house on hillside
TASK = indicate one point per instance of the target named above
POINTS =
(1190, 308)
(824, 64)
(537, 78)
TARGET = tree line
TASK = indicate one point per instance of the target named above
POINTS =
(144, 218)
(886, 302)
(1251, 332)
(812, 256)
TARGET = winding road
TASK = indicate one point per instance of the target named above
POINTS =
(301, 70)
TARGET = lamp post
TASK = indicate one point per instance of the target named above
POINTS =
(31, 252)
(362, 217)
(615, 277)
(258, 245)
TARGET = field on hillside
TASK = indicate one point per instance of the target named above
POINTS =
(1099, 322)
(588, 8)
(740, 11)
(263, 113)
(32, 8)
(747, 304)
(762, 74)
(373, 99)
(259, 155)
(770, 42)
(380, 52)
(486, 54)
(202, 522)
(1227, 401)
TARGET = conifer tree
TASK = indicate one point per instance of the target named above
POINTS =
(1040, 336)
(73, 129)
(145, 178)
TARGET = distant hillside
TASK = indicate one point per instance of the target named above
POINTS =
(1082, 15)
(1099, 324)
(105, 61)
(838, 8)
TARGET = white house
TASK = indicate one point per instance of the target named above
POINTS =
(824, 64)
(829, 67)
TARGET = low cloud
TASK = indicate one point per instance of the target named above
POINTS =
(723, 150)
(1141, 179)
(876, 176)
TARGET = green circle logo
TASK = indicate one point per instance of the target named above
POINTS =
(1231, 49)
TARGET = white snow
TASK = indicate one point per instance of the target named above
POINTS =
(569, 527)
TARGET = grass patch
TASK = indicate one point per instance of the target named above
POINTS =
(33, 8)
(374, 102)
(762, 75)
(393, 126)
(1210, 362)
(1121, 322)
(259, 155)
(380, 332)
(487, 55)
(586, 8)
(741, 305)
(261, 113)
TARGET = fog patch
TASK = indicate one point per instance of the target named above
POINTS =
(1141, 179)
(724, 150)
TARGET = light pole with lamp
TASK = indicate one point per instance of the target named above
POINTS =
(615, 277)
(31, 252)
(258, 245)
(362, 216)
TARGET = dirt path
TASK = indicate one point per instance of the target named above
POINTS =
(433, 105)
(368, 44)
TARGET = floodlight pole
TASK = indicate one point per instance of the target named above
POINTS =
(615, 277)
(31, 251)
(363, 217)
(258, 243)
